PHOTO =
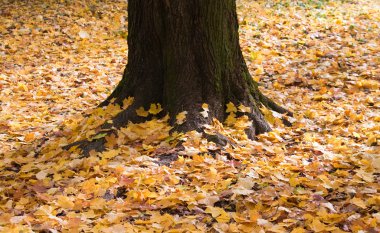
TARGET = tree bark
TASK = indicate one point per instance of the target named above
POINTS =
(183, 53)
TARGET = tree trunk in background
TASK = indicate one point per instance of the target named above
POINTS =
(183, 53)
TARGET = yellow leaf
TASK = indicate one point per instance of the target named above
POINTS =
(218, 213)
(29, 137)
(214, 211)
(277, 229)
(231, 107)
(372, 140)
(368, 177)
(268, 115)
(155, 109)
(317, 225)
(259, 70)
(127, 102)
(359, 202)
(22, 87)
(298, 230)
(141, 112)
(110, 154)
(150, 181)
(231, 119)
(293, 181)
(180, 118)
(254, 215)
(65, 202)
(243, 108)
(110, 141)
(257, 57)
(223, 217)
(113, 109)
(97, 203)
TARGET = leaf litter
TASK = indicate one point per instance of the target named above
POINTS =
(320, 59)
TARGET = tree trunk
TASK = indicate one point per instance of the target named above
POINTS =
(183, 53)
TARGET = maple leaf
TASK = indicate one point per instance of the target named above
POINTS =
(141, 112)
(155, 109)
(110, 154)
(317, 226)
(205, 111)
(127, 102)
(218, 213)
(65, 202)
(180, 118)
(231, 108)
(243, 108)
(231, 119)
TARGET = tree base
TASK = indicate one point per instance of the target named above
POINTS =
(194, 121)
(183, 54)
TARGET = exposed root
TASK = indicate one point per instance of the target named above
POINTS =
(270, 104)
(217, 138)
(267, 102)
(86, 145)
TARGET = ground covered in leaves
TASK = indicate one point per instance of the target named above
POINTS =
(319, 59)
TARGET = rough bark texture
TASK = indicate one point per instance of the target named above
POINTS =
(183, 53)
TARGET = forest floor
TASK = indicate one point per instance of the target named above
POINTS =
(319, 59)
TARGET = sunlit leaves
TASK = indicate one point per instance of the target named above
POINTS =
(79, 66)
(320, 175)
